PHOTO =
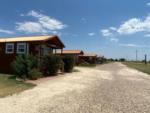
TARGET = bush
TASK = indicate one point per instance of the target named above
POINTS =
(69, 62)
(34, 74)
(23, 64)
(51, 64)
(122, 59)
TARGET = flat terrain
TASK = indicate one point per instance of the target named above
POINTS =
(110, 88)
(9, 86)
(139, 66)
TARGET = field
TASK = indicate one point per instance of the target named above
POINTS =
(139, 66)
(9, 86)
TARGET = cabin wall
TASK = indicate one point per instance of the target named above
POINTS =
(35, 48)
(6, 59)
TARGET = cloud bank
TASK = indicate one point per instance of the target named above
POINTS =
(41, 24)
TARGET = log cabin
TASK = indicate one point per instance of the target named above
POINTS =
(88, 58)
(74, 53)
(35, 45)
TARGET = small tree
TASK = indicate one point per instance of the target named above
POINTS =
(51, 64)
(69, 62)
(23, 64)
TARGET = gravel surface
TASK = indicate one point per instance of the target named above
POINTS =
(110, 88)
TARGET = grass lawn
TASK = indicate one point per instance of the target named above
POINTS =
(9, 86)
(139, 66)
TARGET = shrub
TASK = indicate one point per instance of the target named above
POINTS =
(34, 74)
(122, 59)
(23, 64)
(62, 66)
(51, 64)
(69, 62)
(19, 67)
(32, 62)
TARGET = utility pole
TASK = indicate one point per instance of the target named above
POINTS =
(136, 55)
(145, 58)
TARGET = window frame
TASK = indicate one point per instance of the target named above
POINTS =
(6, 48)
(25, 48)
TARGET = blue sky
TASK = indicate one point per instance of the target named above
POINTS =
(114, 28)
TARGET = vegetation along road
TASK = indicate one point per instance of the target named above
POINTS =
(110, 88)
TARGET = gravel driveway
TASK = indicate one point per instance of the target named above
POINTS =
(110, 88)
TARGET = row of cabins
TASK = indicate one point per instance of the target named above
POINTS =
(38, 46)
(80, 56)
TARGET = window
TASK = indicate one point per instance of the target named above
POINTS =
(21, 48)
(9, 48)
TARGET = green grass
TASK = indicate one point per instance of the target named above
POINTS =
(139, 66)
(9, 86)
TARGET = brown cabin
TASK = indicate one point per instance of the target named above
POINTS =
(88, 58)
(74, 53)
(35, 45)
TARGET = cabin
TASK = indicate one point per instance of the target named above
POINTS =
(35, 45)
(74, 53)
(101, 59)
(88, 58)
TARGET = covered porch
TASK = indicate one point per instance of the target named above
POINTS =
(47, 47)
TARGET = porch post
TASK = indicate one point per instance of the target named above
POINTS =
(55, 51)
(61, 51)
(27, 48)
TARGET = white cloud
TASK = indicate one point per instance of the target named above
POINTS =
(106, 33)
(134, 45)
(34, 14)
(132, 26)
(148, 4)
(128, 45)
(30, 27)
(41, 24)
(135, 25)
(47, 22)
(147, 35)
(114, 40)
(6, 31)
(113, 28)
(91, 34)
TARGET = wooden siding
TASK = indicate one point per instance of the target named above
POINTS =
(7, 59)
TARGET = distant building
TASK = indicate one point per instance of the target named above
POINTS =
(89, 58)
(74, 53)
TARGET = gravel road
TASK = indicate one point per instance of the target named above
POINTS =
(110, 88)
